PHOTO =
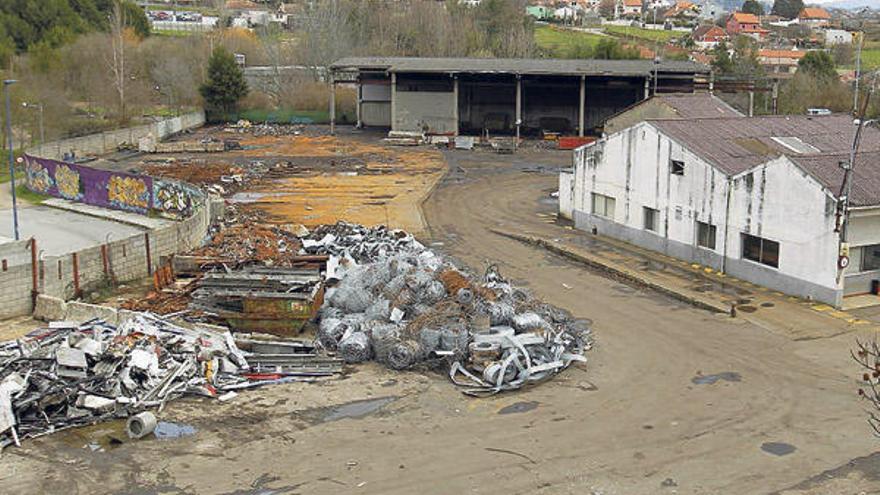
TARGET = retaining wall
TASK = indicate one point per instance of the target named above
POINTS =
(106, 142)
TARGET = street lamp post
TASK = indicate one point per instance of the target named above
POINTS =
(6, 84)
(38, 106)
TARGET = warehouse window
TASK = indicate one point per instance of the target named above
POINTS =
(603, 205)
(705, 235)
(761, 250)
(676, 167)
(652, 218)
(871, 257)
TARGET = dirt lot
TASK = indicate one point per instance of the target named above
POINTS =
(673, 400)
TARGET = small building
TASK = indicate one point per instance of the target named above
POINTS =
(671, 106)
(754, 198)
(743, 23)
(780, 63)
(708, 36)
(837, 37)
(814, 17)
(683, 10)
(630, 8)
(540, 12)
(503, 96)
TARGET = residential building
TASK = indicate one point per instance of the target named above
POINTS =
(683, 10)
(837, 37)
(755, 198)
(540, 12)
(708, 36)
(671, 106)
(742, 23)
(780, 63)
(504, 96)
(630, 8)
(814, 17)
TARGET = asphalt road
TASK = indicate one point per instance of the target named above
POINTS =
(673, 399)
(59, 232)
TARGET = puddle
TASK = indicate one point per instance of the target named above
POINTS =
(778, 448)
(166, 430)
(357, 409)
(728, 376)
(767, 305)
(519, 407)
(746, 309)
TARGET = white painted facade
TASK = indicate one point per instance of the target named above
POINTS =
(776, 201)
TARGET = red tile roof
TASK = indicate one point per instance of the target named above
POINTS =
(745, 18)
(814, 13)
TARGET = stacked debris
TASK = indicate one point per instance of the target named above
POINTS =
(270, 300)
(70, 375)
(267, 129)
(249, 241)
(401, 304)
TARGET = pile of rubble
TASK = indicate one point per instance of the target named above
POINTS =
(246, 242)
(70, 375)
(259, 130)
(401, 304)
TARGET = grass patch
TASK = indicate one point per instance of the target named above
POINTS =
(287, 116)
(174, 33)
(22, 193)
(871, 58)
(563, 43)
(643, 34)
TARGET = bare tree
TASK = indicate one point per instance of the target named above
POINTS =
(868, 357)
(116, 60)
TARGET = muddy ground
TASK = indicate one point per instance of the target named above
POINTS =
(673, 399)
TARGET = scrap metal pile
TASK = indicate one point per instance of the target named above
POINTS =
(70, 375)
(401, 304)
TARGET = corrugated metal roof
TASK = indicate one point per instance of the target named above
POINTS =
(698, 105)
(825, 168)
(734, 145)
(534, 66)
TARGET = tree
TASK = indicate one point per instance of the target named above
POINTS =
(116, 60)
(225, 85)
(818, 64)
(607, 8)
(752, 7)
(722, 62)
(788, 9)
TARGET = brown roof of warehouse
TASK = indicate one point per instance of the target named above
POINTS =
(815, 143)
(526, 66)
(690, 105)
(735, 145)
(825, 168)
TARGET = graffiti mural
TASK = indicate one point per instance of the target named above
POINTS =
(128, 193)
(68, 183)
(116, 190)
(37, 177)
(172, 197)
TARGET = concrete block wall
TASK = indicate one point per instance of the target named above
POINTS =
(126, 260)
(105, 142)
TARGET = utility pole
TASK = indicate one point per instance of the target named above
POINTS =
(861, 36)
(846, 187)
(6, 84)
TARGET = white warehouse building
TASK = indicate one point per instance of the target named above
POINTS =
(755, 198)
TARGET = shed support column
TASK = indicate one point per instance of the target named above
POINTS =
(581, 108)
(357, 107)
(393, 100)
(455, 102)
(647, 88)
(518, 106)
(332, 106)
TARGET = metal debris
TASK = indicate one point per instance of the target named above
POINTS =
(72, 375)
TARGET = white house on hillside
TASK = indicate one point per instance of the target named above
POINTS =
(752, 197)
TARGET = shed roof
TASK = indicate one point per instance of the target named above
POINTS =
(734, 145)
(745, 18)
(689, 105)
(534, 66)
(825, 168)
(814, 13)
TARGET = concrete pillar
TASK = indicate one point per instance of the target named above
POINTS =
(455, 102)
(518, 105)
(581, 109)
(647, 88)
(332, 106)
(357, 108)
(393, 99)
(751, 103)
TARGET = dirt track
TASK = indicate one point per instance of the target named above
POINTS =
(632, 421)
